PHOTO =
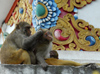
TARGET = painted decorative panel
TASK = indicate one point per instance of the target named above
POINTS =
(60, 17)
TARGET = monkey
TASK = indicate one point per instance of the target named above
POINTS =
(54, 54)
(42, 47)
(14, 48)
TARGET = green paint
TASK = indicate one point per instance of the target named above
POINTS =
(40, 10)
(0, 45)
(99, 37)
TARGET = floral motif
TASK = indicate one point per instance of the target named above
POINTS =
(50, 16)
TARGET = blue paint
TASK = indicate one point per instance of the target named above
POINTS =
(81, 50)
(75, 10)
(75, 16)
(91, 39)
(21, 10)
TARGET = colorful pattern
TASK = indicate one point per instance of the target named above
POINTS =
(45, 14)
(69, 33)
(23, 12)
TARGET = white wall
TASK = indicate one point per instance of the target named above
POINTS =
(91, 13)
(5, 6)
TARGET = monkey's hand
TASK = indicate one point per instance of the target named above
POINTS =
(44, 65)
(38, 34)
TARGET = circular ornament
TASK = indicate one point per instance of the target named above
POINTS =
(41, 11)
(45, 14)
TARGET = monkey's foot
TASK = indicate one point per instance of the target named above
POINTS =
(45, 66)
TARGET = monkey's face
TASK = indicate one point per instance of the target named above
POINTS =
(27, 31)
(24, 28)
(53, 54)
(47, 35)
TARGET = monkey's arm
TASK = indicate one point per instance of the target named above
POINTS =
(41, 60)
(31, 40)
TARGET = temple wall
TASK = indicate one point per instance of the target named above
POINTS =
(32, 69)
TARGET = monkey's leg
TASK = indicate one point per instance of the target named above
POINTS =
(25, 57)
(41, 60)
(32, 57)
(15, 57)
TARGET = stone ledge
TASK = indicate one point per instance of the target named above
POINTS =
(36, 69)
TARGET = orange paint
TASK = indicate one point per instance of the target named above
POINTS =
(86, 28)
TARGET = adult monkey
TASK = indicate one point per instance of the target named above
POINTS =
(12, 49)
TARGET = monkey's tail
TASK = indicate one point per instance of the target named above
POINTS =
(54, 61)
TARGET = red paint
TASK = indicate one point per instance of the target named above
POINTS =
(0, 30)
(14, 14)
(57, 34)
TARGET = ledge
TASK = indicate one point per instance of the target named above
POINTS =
(36, 69)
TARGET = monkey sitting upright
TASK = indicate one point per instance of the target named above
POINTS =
(42, 46)
(12, 50)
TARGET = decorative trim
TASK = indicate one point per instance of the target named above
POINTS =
(70, 33)
(51, 18)
(68, 5)
(25, 16)
(75, 33)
